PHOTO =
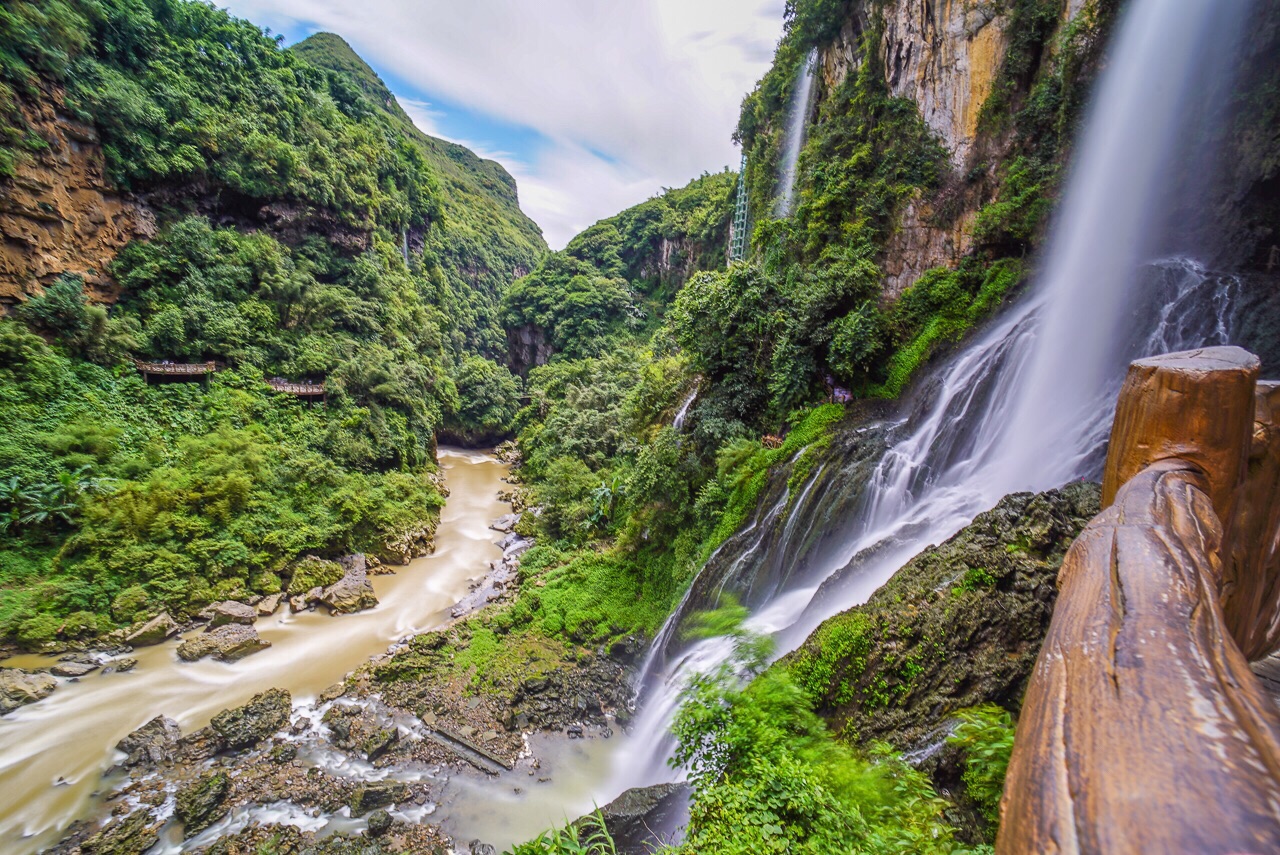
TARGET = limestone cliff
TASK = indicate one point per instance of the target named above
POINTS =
(60, 213)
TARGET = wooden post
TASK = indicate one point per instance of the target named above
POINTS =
(1143, 729)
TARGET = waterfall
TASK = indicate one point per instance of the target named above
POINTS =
(1028, 404)
(678, 421)
(797, 120)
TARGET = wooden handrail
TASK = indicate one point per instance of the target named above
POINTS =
(1143, 729)
(300, 389)
(176, 368)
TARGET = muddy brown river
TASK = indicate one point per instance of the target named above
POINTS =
(53, 753)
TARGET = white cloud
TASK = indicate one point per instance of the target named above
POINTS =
(629, 96)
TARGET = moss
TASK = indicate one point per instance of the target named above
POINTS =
(312, 572)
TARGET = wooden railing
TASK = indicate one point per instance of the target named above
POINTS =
(1143, 728)
(302, 390)
(176, 369)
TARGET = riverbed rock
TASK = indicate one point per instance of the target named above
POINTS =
(152, 744)
(201, 803)
(154, 631)
(133, 835)
(353, 592)
(121, 666)
(637, 818)
(267, 605)
(229, 612)
(379, 823)
(73, 669)
(505, 523)
(376, 794)
(311, 572)
(226, 643)
(246, 726)
(19, 688)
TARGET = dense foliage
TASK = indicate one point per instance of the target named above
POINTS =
(613, 282)
(120, 498)
(175, 494)
(767, 775)
(484, 241)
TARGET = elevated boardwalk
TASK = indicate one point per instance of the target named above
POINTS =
(308, 391)
(176, 369)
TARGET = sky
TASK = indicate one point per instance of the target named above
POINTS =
(593, 105)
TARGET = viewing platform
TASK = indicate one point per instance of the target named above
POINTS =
(181, 370)
(305, 390)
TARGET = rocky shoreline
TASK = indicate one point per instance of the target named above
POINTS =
(368, 762)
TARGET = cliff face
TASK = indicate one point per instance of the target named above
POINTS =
(60, 214)
(969, 68)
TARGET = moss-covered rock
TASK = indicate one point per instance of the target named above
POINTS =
(132, 835)
(960, 625)
(313, 572)
(246, 726)
(200, 803)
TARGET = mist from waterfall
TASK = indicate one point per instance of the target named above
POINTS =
(793, 142)
(1029, 403)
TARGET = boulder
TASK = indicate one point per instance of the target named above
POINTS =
(505, 523)
(377, 794)
(133, 835)
(127, 664)
(246, 726)
(152, 744)
(73, 669)
(379, 823)
(232, 612)
(200, 803)
(19, 688)
(226, 643)
(639, 817)
(267, 605)
(154, 631)
(353, 592)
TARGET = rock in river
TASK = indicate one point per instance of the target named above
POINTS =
(152, 744)
(153, 631)
(73, 669)
(18, 688)
(248, 725)
(351, 593)
(226, 643)
(232, 612)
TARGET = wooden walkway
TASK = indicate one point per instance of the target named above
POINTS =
(176, 369)
(301, 390)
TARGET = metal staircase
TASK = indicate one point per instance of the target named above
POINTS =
(738, 232)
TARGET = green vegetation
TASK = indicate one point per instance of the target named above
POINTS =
(484, 241)
(768, 776)
(591, 838)
(985, 734)
(613, 283)
(120, 498)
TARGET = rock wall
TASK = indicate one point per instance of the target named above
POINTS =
(60, 213)
(947, 57)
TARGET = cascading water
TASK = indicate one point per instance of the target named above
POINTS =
(1027, 405)
(797, 121)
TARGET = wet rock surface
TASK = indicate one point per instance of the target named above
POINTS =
(959, 625)
(232, 612)
(201, 802)
(637, 819)
(154, 631)
(153, 744)
(248, 725)
(19, 688)
(226, 643)
(353, 592)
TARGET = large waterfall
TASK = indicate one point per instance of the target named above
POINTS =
(1028, 404)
